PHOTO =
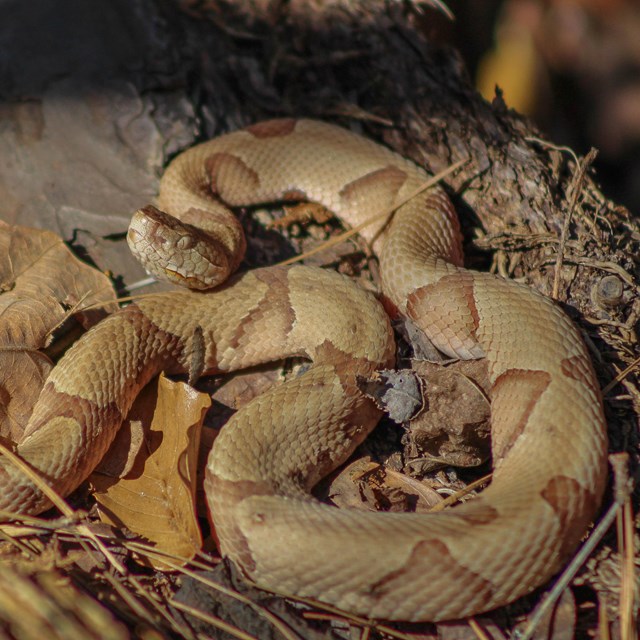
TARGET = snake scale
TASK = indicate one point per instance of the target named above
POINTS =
(548, 430)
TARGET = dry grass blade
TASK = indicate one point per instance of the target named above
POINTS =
(452, 499)
(549, 145)
(47, 605)
(628, 589)
(214, 622)
(365, 633)
(34, 476)
(327, 612)
(83, 531)
(603, 621)
(621, 376)
(60, 504)
(178, 563)
(477, 629)
(574, 190)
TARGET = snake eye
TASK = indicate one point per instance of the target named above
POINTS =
(185, 242)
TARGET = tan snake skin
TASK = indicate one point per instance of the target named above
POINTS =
(548, 430)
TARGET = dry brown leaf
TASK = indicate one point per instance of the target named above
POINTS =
(364, 484)
(40, 282)
(455, 430)
(351, 487)
(423, 497)
(156, 500)
(119, 461)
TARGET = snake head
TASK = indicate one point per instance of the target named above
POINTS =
(175, 251)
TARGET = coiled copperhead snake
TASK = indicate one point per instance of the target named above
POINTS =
(548, 429)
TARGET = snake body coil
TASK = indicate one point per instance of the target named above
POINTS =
(548, 429)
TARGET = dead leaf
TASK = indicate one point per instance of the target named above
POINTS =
(365, 484)
(118, 462)
(455, 427)
(156, 500)
(351, 487)
(41, 281)
(423, 496)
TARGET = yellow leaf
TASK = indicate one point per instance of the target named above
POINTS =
(156, 499)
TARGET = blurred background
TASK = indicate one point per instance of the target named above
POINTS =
(573, 66)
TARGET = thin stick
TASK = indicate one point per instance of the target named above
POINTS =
(549, 145)
(178, 565)
(628, 589)
(477, 629)
(621, 376)
(458, 495)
